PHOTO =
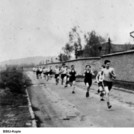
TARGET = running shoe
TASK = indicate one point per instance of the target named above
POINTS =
(101, 94)
(87, 94)
(73, 92)
(102, 99)
(108, 105)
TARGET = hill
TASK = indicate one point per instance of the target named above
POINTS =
(28, 61)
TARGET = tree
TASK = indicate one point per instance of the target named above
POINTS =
(66, 55)
(63, 57)
(68, 49)
(75, 40)
(93, 44)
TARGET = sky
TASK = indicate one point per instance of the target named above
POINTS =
(40, 27)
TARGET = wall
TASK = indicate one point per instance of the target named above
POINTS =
(123, 63)
(80, 64)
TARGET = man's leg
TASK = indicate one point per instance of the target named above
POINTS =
(98, 91)
(88, 87)
(101, 93)
(65, 81)
(55, 79)
(107, 97)
(58, 79)
(61, 79)
(73, 85)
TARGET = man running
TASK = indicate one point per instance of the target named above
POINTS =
(63, 73)
(99, 79)
(34, 69)
(109, 76)
(50, 72)
(67, 77)
(44, 72)
(40, 72)
(57, 73)
(37, 73)
(88, 78)
(72, 78)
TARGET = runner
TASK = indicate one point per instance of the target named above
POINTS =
(47, 73)
(109, 76)
(99, 79)
(44, 72)
(67, 77)
(88, 78)
(57, 73)
(72, 78)
(34, 69)
(63, 73)
(50, 72)
(40, 72)
(37, 73)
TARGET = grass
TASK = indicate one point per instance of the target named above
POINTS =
(13, 109)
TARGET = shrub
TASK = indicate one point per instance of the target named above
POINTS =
(15, 79)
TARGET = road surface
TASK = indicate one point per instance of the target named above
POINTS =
(56, 106)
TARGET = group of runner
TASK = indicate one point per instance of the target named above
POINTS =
(67, 75)
(104, 78)
(43, 72)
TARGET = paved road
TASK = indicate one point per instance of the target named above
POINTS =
(55, 106)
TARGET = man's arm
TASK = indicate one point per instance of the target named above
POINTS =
(97, 78)
(113, 73)
(84, 73)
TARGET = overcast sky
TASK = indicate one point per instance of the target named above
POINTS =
(40, 27)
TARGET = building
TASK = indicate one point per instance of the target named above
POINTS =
(107, 48)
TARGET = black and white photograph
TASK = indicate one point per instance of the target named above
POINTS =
(66, 64)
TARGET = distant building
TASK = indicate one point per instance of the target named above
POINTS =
(107, 48)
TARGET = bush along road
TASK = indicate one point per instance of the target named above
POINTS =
(14, 103)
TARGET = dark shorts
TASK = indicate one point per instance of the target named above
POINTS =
(100, 84)
(50, 72)
(56, 76)
(72, 79)
(109, 84)
(38, 72)
(46, 73)
(68, 78)
(63, 75)
(87, 81)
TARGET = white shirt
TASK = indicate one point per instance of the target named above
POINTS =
(100, 77)
(44, 70)
(57, 71)
(64, 70)
(40, 69)
(34, 69)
